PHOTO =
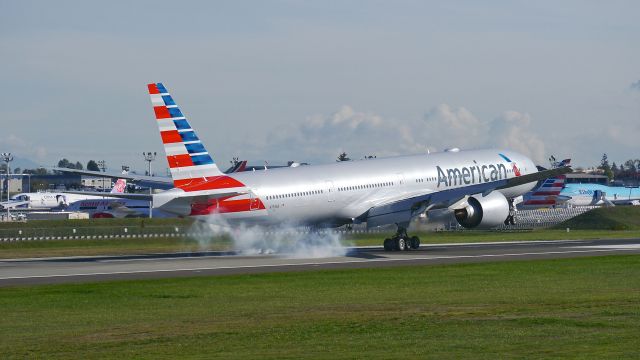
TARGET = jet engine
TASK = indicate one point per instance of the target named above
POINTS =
(483, 212)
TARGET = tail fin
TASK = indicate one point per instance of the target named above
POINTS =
(238, 166)
(187, 157)
(119, 187)
(548, 192)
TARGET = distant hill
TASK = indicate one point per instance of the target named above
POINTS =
(606, 218)
(24, 163)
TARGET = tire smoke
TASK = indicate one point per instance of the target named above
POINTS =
(285, 240)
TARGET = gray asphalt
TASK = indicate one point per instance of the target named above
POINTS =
(90, 269)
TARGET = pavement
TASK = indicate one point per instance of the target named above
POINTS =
(168, 265)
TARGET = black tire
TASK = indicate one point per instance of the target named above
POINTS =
(415, 242)
(388, 245)
(401, 244)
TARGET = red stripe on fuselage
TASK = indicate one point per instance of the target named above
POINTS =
(540, 202)
(225, 205)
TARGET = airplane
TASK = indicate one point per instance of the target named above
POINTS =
(548, 194)
(598, 194)
(556, 192)
(476, 185)
(53, 200)
(115, 208)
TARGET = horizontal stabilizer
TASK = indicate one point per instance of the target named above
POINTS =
(130, 196)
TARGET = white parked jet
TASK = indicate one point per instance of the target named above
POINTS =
(476, 185)
(53, 200)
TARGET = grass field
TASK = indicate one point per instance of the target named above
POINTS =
(570, 308)
(608, 218)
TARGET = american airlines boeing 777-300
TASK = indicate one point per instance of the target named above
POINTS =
(476, 185)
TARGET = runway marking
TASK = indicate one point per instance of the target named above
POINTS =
(318, 263)
(619, 246)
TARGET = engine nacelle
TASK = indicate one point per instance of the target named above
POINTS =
(483, 212)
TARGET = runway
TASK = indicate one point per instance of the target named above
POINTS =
(102, 268)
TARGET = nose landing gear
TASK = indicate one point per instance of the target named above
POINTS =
(401, 241)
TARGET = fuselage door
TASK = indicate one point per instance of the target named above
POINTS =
(254, 203)
(328, 185)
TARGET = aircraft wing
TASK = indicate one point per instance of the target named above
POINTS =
(540, 175)
(401, 211)
(130, 177)
(131, 196)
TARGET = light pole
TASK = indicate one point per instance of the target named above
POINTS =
(102, 165)
(7, 158)
(149, 157)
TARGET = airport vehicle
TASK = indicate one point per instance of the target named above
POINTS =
(476, 185)
(58, 200)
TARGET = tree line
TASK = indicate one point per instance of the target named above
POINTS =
(63, 163)
(625, 171)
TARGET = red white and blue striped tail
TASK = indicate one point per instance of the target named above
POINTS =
(188, 159)
(548, 192)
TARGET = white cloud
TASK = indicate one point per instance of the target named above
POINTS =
(320, 138)
(17, 145)
(512, 130)
(635, 86)
(446, 127)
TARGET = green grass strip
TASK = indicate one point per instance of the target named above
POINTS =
(570, 308)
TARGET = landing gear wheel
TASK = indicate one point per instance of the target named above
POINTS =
(388, 244)
(414, 242)
(401, 244)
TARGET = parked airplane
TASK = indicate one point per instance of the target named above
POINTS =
(115, 208)
(598, 194)
(476, 185)
(53, 200)
(554, 192)
(548, 193)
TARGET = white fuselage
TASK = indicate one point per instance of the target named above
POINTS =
(48, 200)
(113, 207)
(335, 194)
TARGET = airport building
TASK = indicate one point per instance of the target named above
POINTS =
(585, 178)
(31, 182)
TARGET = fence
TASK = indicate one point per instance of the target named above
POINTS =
(543, 218)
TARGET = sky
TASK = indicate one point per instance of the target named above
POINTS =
(305, 80)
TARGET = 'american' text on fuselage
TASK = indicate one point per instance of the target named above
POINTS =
(471, 175)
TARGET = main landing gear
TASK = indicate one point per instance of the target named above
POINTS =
(401, 241)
